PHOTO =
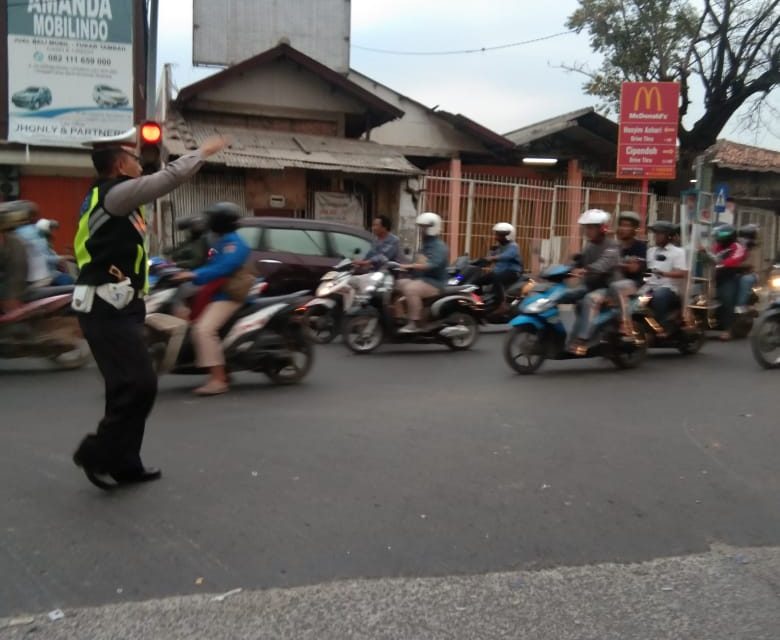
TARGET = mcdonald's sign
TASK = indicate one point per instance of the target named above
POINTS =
(648, 94)
(647, 140)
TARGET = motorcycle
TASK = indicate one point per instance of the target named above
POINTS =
(324, 314)
(765, 339)
(537, 334)
(453, 316)
(498, 310)
(265, 335)
(687, 339)
(45, 327)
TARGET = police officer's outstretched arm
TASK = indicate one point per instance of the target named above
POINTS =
(127, 196)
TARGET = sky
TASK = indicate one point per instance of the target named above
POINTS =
(503, 90)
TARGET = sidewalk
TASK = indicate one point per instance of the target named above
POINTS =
(726, 594)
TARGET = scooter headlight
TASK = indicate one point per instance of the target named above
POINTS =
(774, 283)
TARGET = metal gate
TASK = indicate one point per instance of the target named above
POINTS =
(544, 213)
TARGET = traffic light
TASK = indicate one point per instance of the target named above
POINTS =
(151, 147)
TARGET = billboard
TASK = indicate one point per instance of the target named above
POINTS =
(70, 70)
(647, 138)
(230, 31)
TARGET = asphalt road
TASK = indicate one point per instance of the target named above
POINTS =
(412, 462)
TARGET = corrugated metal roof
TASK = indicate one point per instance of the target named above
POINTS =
(263, 149)
(537, 130)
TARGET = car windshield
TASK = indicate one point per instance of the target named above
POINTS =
(31, 89)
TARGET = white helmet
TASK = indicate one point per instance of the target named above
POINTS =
(505, 229)
(45, 226)
(594, 216)
(431, 221)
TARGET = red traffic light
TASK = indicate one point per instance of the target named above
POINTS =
(151, 133)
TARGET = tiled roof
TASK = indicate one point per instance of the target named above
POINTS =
(743, 157)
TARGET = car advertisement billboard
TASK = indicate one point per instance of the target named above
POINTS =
(70, 70)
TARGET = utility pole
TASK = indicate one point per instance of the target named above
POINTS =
(151, 58)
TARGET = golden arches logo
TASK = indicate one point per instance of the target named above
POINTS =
(648, 94)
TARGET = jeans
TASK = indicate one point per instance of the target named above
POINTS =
(663, 302)
(587, 312)
(622, 290)
(746, 284)
(727, 289)
(499, 282)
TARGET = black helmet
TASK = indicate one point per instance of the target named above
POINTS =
(196, 225)
(664, 226)
(223, 217)
(725, 233)
(631, 216)
(749, 232)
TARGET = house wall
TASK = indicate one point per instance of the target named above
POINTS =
(280, 89)
(261, 185)
(418, 127)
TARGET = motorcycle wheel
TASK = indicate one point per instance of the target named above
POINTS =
(462, 343)
(694, 341)
(301, 361)
(355, 337)
(321, 327)
(742, 326)
(523, 351)
(765, 342)
(632, 359)
(73, 359)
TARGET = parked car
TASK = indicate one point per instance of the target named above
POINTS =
(32, 98)
(294, 254)
(107, 96)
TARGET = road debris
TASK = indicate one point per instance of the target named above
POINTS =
(18, 622)
(226, 595)
(55, 615)
(199, 581)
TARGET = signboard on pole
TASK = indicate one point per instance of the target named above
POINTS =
(647, 138)
(70, 70)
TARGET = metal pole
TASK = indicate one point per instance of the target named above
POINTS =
(553, 220)
(151, 60)
(515, 202)
(469, 217)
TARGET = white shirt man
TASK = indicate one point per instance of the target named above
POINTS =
(661, 260)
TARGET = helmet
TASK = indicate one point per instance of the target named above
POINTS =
(196, 225)
(46, 226)
(17, 213)
(664, 226)
(725, 233)
(223, 217)
(594, 216)
(631, 216)
(749, 232)
(431, 221)
(505, 229)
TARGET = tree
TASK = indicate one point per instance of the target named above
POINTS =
(731, 47)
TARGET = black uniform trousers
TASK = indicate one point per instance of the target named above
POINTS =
(116, 338)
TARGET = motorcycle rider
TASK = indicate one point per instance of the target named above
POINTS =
(13, 253)
(668, 266)
(229, 257)
(38, 272)
(59, 277)
(596, 266)
(508, 262)
(748, 237)
(429, 271)
(633, 255)
(729, 256)
(194, 251)
(385, 248)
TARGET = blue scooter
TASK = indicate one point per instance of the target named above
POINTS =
(537, 333)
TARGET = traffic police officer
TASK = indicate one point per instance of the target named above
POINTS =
(110, 247)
